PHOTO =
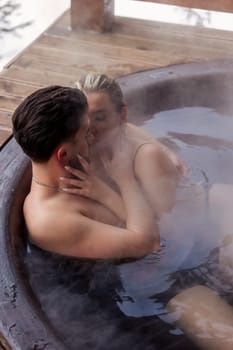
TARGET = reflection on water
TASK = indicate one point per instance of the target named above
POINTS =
(119, 305)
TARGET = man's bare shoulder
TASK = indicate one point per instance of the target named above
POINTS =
(49, 217)
(46, 205)
(62, 222)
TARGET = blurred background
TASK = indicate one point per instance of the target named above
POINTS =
(22, 21)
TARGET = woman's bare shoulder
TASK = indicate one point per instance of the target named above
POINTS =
(134, 131)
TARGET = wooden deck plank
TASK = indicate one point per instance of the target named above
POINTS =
(5, 126)
(144, 53)
(105, 60)
(4, 135)
(149, 40)
(154, 38)
(17, 89)
(61, 56)
(121, 23)
(9, 102)
(5, 119)
(158, 40)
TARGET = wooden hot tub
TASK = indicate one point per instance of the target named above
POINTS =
(23, 325)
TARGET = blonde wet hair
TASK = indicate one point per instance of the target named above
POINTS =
(93, 82)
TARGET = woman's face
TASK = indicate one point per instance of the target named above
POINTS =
(103, 118)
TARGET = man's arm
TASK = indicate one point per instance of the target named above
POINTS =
(74, 234)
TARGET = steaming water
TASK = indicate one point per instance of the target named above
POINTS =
(119, 305)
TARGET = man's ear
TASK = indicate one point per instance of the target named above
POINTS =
(61, 154)
(123, 115)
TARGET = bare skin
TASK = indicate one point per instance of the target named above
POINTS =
(156, 168)
(87, 224)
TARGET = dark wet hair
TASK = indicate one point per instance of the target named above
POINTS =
(46, 118)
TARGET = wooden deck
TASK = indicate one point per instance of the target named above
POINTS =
(61, 56)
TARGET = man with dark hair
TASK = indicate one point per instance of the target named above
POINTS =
(47, 118)
(51, 126)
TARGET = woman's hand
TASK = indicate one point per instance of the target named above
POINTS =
(82, 183)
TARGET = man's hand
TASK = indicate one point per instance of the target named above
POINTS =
(87, 184)
(83, 183)
(119, 166)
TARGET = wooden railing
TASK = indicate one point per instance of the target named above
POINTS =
(99, 14)
(211, 5)
(92, 14)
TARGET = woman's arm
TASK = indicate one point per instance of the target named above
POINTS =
(72, 233)
(158, 176)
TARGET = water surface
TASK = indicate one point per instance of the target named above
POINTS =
(119, 305)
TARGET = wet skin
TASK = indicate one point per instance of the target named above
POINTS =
(156, 168)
